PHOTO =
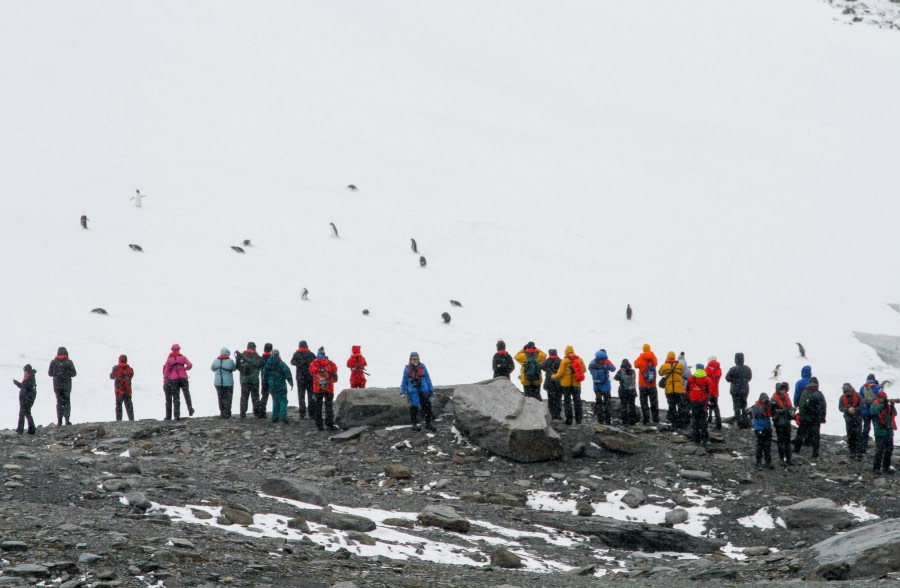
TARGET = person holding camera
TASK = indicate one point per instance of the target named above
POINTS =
(783, 414)
(884, 420)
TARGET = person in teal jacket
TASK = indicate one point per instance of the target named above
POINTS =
(884, 419)
(275, 374)
(223, 367)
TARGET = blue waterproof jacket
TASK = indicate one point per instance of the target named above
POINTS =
(416, 381)
(223, 369)
(600, 369)
(800, 386)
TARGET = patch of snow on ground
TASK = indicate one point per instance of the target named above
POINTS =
(859, 512)
(761, 519)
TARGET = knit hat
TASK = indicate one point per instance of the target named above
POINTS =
(501, 345)
(763, 397)
(303, 344)
(62, 351)
(276, 354)
(847, 388)
(30, 369)
(529, 345)
(871, 381)
(551, 351)
(413, 354)
(251, 345)
(267, 347)
(783, 386)
(626, 365)
(813, 382)
(700, 366)
(176, 347)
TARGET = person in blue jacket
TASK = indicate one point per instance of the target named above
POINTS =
(223, 366)
(800, 386)
(869, 392)
(275, 374)
(417, 388)
(600, 368)
(761, 413)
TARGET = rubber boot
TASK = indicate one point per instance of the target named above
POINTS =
(414, 418)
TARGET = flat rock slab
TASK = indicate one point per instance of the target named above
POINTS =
(618, 440)
(498, 418)
(339, 520)
(445, 517)
(380, 407)
(293, 490)
(815, 512)
(350, 434)
(695, 475)
(870, 551)
(28, 570)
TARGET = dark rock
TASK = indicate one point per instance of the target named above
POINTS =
(26, 570)
(88, 558)
(815, 512)
(340, 521)
(495, 416)
(634, 497)
(284, 488)
(138, 500)
(676, 516)
(350, 434)
(298, 523)
(504, 558)
(618, 440)
(396, 470)
(236, 516)
(380, 407)
(445, 517)
(402, 523)
(869, 551)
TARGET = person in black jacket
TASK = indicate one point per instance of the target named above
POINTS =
(62, 370)
(554, 390)
(739, 377)
(303, 358)
(27, 394)
(503, 363)
(249, 365)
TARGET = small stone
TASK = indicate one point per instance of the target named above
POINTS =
(298, 523)
(14, 546)
(88, 558)
(634, 497)
(397, 471)
(676, 516)
(695, 475)
(504, 558)
(559, 477)
(481, 474)
(181, 543)
(584, 508)
(756, 551)
(402, 523)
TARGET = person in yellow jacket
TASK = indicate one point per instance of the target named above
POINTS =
(570, 375)
(531, 358)
(673, 371)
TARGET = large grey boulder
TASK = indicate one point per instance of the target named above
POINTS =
(815, 512)
(626, 535)
(339, 520)
(443, 516)
(380, 407)
(495, 416)
(870, 551)
(293, 490)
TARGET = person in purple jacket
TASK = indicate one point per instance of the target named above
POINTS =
(175, 380)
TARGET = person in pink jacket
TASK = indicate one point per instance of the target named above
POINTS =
(175, 379)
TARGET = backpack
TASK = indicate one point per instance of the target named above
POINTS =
(603, 374)
(626, 378)
(577, 369)
(869, 395)
(814, 405)
(532, 369)
(322, 376)
(650, 374)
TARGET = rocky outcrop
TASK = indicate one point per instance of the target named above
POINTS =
(625, 535)
(616, 439)
(445, 517)
(495, 416)
(870, 551)
(292, 490)
(339, 520)
(815, 512)
(380, 407)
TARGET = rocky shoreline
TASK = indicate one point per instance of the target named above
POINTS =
(239, 502)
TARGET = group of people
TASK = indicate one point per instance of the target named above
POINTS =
(692, 397)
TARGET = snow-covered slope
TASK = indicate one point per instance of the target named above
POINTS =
(727, 168)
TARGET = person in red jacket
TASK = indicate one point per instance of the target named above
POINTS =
(357, 364)
(698, 396)
(324, 372)
(714, 373)
(122, 375)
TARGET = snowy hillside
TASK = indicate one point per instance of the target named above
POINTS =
(727, 168)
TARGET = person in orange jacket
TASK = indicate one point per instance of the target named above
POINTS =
(570, 375)
(647, 389)
(530, 373)
(357, 364)
(672, 370)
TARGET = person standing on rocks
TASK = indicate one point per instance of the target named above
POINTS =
(570, 375)
(698, 395)
(357, 364)
(122, 374)
(175, 382)
(600, 368)
(324, 373)
(884, 417)
(249, 366)
(264, 384)
(671, 373)
(800, 386)
(869, 392)
(714, 373)
(275, 374)
(502, 363)
(783, 414)
(812, 411)
(554, 390)
(762, 427)
(739, 377)
(223, 367)
(531, 359)
(27, 393)
(416, 386)
(302, 359)
(62, 370)
(645, 366)
(627, 380)
(851, 404)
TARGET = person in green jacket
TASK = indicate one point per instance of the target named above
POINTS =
(249, 364)
(884, 419)
(276, 373)
(812, 409)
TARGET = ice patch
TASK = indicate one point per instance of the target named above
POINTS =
(761, 519)
(859, 512)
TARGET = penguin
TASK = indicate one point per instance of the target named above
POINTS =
(365, 312)
(136, 248)
(138, 198)
(352, 188)
(776, 372)
(238, 249)
(413, 246)
(456, 303)
(422, 262)
(84, 221)
(446, 317)
(628, 312)
(304, 295)
(334, 231)
(802, 350)
(246, 243)
(101, 311)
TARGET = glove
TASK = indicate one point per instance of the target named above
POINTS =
(16, 382)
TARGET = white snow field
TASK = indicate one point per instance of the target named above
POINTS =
(727, 168)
